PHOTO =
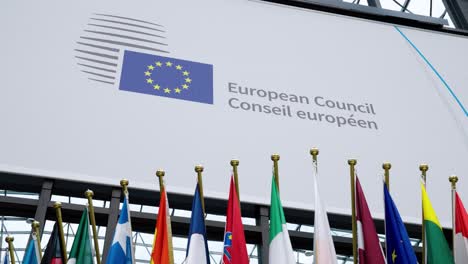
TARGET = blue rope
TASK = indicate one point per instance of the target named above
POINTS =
(434, 70)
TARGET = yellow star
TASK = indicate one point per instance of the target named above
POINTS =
(147, 73)
(168, 64)
(230, 237)
(394, 256)
(185, 86)
(177, 90)
(188, 80)
(151, 67)
(185, 73)
(149, 80)
(167, 90)
(158, 63)
(156, 87)
(178, 67)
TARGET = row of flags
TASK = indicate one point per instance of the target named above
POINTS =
(398, 248)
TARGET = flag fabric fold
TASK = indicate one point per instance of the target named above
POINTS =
(6, 259)
(82, 249)
(280, 251)
(235, 249)
(121, 251)
(399, 249)
(461, 232)
(324, 249)
(197, 247)
(162, 246)
(31, 255)
(437, 249)
(369, 249)
(53, 252)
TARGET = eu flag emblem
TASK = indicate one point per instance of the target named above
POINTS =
(167, 77)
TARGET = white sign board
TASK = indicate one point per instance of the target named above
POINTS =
(101, 90)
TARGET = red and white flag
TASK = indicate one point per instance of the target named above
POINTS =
(461, 232)
(370, 251)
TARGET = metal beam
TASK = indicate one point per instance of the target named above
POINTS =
(44, 199)
(113, 215)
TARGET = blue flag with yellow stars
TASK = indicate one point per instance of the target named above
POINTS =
(399, 249)
(167, 77)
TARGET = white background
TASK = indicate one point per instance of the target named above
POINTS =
(57, 123)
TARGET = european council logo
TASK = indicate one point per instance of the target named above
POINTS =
(167, 77)
(107, 38)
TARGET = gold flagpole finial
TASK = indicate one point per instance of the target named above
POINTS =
(235, 164)
(352, 162)
(199, 170)
(35, 225)
(89, 195)
(124, 185)
(453, 180)
(275, 158)
(160, 174)
(387, 166)
(314, 152)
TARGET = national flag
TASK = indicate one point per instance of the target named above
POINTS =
(162, 246)
(399, 249)
(121, 251)
(324, 250)
(235, 249)
(82, 248)
(461, 232)
(197, 246)
(53, 252)
(369, 249)
(280, 251)
(31, 255)
(167, 77)
(437, 249)
(6, 259)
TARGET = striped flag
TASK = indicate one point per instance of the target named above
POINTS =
(235, 250)
(438, 251)
(53, 252)
(197, 248)
(162, 246)
(324, 249)
(461, 232)
(281, 251)
(370, 251)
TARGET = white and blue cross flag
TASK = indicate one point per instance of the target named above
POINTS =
(121, 251)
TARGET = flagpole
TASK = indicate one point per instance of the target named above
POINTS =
(423, 168)
(235, 164)
(160, 174)
(89, 194)
(58, 212)
(453, 180)
(199, 170)
(11, 249)
(387, 166)
(314, 152)
(352, 163)
(35, 227)
(275, 158)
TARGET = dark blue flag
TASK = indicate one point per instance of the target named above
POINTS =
(399, 249)
(167, 77)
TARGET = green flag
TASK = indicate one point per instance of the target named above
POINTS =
(281, 251)
(82, 250)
